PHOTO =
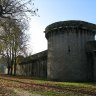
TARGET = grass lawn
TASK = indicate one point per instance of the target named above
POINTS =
(22, 86)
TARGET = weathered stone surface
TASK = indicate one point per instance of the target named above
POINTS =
(35, 65)
(67, 59)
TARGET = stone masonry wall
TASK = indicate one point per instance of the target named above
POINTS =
(35, 65)
(67, 60)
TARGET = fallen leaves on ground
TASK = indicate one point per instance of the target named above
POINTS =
(9, 83)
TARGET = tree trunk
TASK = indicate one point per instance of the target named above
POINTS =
(12, 61)
(8, 70)
(15, 64)
(8, 62)
(11, 67)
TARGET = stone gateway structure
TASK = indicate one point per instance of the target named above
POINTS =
(71, 51)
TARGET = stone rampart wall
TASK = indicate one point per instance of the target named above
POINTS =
(35, 65)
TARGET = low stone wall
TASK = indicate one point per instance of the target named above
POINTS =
(35, 65)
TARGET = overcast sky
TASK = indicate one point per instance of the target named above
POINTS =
(51, 11)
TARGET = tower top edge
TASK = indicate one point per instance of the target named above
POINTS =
(70, 23)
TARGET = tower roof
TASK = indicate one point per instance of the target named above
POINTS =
(70, 24)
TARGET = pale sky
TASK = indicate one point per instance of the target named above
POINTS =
(51, 11)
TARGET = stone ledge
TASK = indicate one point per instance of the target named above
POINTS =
(70, 24)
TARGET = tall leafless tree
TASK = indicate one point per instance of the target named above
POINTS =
(16, 14)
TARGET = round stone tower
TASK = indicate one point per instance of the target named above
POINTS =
(67, 60)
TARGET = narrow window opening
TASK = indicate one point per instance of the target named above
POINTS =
(69, 49)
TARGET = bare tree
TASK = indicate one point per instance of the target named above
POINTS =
(13, 42)
(14, 16)
(17, 9)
